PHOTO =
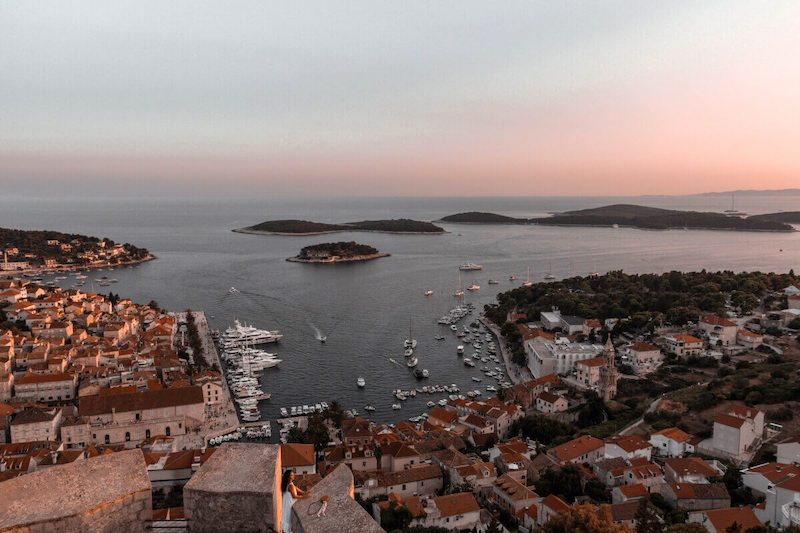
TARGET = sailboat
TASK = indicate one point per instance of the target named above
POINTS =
(528, 282)
(732, 212)
(410, 342)
(460, 292)
(549, 276)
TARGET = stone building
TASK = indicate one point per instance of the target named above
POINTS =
(609, 373)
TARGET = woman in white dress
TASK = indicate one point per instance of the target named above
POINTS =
(290, 494)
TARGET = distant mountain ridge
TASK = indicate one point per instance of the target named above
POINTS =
(638, 216)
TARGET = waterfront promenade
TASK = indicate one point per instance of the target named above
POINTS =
(220, 418)
(516, 373)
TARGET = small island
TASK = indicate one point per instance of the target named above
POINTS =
(307, 227)
(336, 252)
(637, 216)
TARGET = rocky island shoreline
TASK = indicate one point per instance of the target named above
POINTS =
(402, 226)
(337, 252)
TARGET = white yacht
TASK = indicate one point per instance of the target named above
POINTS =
(460, 349)
(474, 287)
(428, 293)
(412, 361)
(470, 266)
(244, 333)
(361, 382)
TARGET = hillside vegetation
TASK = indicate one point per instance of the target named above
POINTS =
(638, 216)
(403, 225)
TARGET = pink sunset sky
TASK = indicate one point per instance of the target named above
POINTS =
(416, 98)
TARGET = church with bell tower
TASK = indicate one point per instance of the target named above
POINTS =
(608, 372)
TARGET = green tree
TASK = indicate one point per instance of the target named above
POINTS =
(647, 518)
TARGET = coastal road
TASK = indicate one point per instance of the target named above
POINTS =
(516, 373)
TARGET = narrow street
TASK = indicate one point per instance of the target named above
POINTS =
(516, 373)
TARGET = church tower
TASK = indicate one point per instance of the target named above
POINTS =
(608, 372)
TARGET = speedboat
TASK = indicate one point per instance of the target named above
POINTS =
(476, 380)
(470, 266)
(431, 404)
(323, 339)
(396, 406)
(460, 350)
(493, 282)
(412, 362)
(361, 382)
(428, 293)
(459, 293)
(369, 408)
(453, 327)
(439, 337)
(474, 287)
(469, 362)
(233, 289)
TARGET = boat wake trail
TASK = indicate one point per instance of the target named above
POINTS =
(317, 333)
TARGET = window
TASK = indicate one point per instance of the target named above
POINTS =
(168, 431)
(404, 487)
(107, 439)
(138, 416)
(147, 434)
(127, 436)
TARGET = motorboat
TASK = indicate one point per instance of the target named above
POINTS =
(233, 290)
(512, 277)
(396, 406)
(431, 404)
(412, 362)
(476, 380)
(460, 349)
(470, 266)
(410, 343)
(459, 293)
(469, 362)
(246, 334)
(408, 352)
(439, 337)
(474, 287)
(323, 338)
(428, 293)
(369, 408)
(493, 282)
(284, 412)
(361, 382)
(453, 327)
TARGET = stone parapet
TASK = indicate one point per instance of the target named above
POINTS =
(237, 489)
(109, 493)
(342, 512)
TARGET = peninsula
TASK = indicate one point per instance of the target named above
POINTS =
(637, 216)
(25, 251)
(336, 252)
(306, 227)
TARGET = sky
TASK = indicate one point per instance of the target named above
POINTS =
(418, 98)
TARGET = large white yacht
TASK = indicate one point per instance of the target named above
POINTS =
(245, 333)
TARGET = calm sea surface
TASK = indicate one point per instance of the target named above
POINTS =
(366, 309)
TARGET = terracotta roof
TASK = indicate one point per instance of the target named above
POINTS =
(643, 347)
(776, 472)
(597, 361)
(548, 397)
(728, 420)
(686, 338)
(297, 454)
(690, 466)
(722, 519)
(676, 434)
(555, 503)
(625, 511)
(445, 415)
(140, 401)
(514, 489)
(700, 491)
(629, 443)
(637, 490)
(44, 378)
(715, 320)
(456, 504)
(576, 447)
